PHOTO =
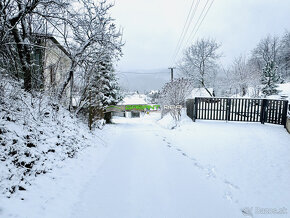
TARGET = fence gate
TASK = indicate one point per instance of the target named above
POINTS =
(238, 109)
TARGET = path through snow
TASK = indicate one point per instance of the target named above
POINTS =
(141, 177)
(148, 171)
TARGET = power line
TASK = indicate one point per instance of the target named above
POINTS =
(184, 36)
(183, 29)
(197, 23)
(191, 37)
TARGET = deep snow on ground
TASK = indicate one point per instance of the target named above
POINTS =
(251, 159)
(202, 169)
(284, 92)
(36, 135)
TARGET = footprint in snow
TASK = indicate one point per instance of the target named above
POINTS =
(247, 211)
(211, 172)
(178, 149)
(231, 185)
(228, 195)
(198, 165)
(184, 154)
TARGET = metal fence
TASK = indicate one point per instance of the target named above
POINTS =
(238, 109)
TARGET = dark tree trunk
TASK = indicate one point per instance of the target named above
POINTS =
(24, 59)
(108, 117)
(68, 79)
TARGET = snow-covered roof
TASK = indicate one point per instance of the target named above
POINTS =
(134, 99)
(199, 92)
(285, 90)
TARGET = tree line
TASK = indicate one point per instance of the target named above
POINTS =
(255, 75)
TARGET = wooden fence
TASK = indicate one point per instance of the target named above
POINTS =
(238, 109)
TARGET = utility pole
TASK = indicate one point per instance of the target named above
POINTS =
(171, 69)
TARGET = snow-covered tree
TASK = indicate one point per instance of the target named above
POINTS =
(285, 56)
(83, 27)
(105, 84)
(200, 63)
(174, 94)
(241, 76)
(100, 88)
(270, 78)
(93, 32)
(19, 21)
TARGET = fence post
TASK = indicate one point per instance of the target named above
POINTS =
(263, 116)
(284, 114)
(188, 107)
(195, 109)
(228, 109)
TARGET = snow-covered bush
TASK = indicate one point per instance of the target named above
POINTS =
(174, 94)
(36, 134)
(168, 122)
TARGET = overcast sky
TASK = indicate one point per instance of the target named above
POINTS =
(152, 29)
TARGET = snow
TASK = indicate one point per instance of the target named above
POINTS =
(36, 136)
(199, 92)
(251, 160)
(141, 169)
(153, 92)
(167, 122)
(285, 90)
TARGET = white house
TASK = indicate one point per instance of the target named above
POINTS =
(132, 99)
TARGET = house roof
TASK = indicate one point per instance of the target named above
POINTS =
(199, 92)
(134, 99)
(53, 39)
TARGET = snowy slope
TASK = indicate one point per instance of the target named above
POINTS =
(36, 136)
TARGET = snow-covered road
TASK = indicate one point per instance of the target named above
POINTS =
(202, 169)
(143, 177)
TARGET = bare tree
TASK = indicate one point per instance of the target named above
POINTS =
(18, 20)
(200, 63)
(83, 27)
(285, 55)
(266, 50)
(93, 33)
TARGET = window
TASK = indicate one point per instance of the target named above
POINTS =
(52, 72)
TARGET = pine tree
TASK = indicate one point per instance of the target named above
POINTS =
(104, 87)
(109, 93)
(270, 78)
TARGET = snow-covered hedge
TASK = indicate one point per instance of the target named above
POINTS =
(36, 134)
